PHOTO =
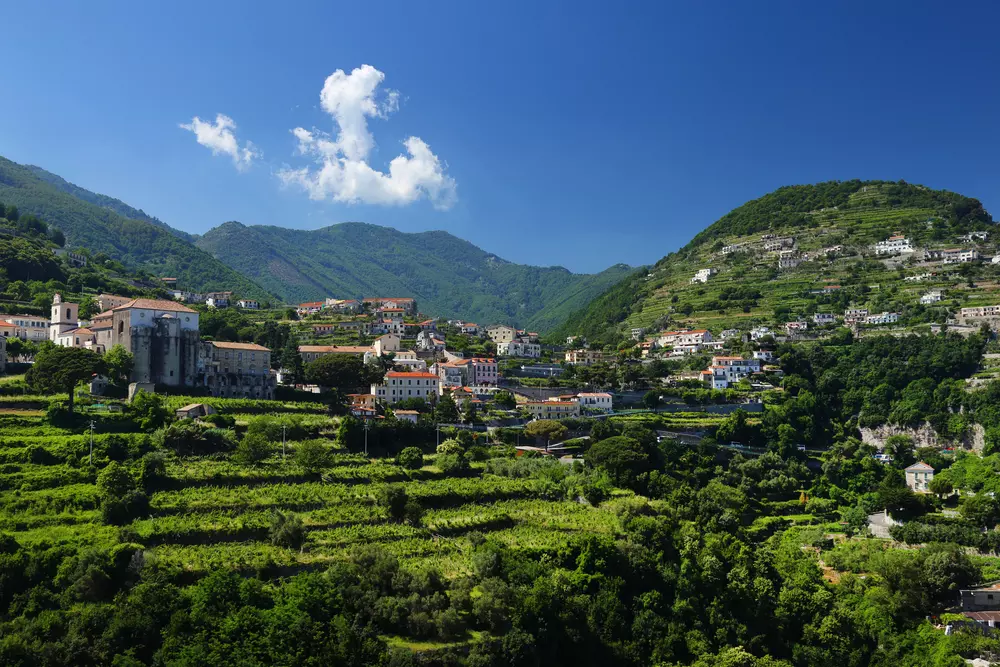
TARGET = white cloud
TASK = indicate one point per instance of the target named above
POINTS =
(219, 137)
(343, 172)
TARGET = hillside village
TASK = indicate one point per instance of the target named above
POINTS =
(825, 393)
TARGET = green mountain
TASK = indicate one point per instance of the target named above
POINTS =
(750, 288)
(448, 276)
(102, 224)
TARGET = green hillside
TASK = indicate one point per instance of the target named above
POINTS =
(448, 276)
(750, 289)
(104, 225)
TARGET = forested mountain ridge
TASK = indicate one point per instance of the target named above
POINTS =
(448, 276)
(102, 225)
(833, 226)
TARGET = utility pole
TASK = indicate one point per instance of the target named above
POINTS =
(91, 442)
(283, 428)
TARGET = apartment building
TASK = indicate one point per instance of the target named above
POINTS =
(584, 357)
(398, 386)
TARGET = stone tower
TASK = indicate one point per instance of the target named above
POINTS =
(65, 316)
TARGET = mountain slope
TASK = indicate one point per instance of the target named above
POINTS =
(106, 225)
(448, 276)
(750, 288)
(104, 201)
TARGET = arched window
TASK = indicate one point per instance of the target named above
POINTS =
(69, 314)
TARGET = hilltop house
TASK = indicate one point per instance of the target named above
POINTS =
(792, 328)
(596, 401)
(788, 259)
(519, 348)
(703, 275)
(894, 245)
(919, 476)
(248, 304)
(933, 296)
(822, 319)
(218, 299)
(309, 308)
(408, 305)
(978, 312)
(724, 371)
(686, 337)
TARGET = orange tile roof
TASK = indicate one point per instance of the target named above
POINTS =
(155, 304)
(240, 346)
(6, 324)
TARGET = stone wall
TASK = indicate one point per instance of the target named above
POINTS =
(923, 436)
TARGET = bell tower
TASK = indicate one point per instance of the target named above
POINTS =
(65, 316)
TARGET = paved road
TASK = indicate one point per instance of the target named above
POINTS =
(879, 524)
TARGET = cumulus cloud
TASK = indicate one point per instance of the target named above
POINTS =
(342, 172)
(220, 138)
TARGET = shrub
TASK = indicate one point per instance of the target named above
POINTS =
(312, 456)
(453, 464)
(287, 530)
(393, 499)
(411, 458)
(450, 446)
(253, 449)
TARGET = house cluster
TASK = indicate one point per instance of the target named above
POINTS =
(856, 316)
(569, 405)
(163, 338)
(725, 371)
(683, 342)
(377, 305)
(512, 342)
(953, 255)
(980, 312)
(210, 299)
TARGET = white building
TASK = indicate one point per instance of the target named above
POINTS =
(760, 332)
(764, 356)
(65, 316)
(822, 319)
(637, 333)
(974, 236)
(736, 247)
(894, 245)
(398, 386)
(934, 296)
(248, 304)
(703, 275)
(430, 341)
(218, 299)
(685, 337)
(796, 327)
(788, 259)
(882, 318)
(519, 348)
(725, 371)
(726, 334)
(600, 401)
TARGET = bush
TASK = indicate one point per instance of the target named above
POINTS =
(450, 446)
(312, 456)
(411, 458)
(220, 420)
(453, 464)
(287, 530)
(393, 500)
(253, 449)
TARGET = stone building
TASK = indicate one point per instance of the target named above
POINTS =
(236, 370)
(162, 337)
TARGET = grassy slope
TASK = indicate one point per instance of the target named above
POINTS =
(99, 228)
(853, 214)
(448, 276)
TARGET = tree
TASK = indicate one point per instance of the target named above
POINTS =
(60, 369)
(148, 410)
(291, 360)
(505, 400)
(941, 486)
(393, 500)
(121, 498)
(546, 428)
(410, 458)
(253, 449)
(119, 362)
(312, 456)
(981, 509)
(900, 447)
(339, 371)
(451, 446)
(622, 457)
(651, 399)
(446, 411)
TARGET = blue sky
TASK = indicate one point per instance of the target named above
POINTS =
(580, 134)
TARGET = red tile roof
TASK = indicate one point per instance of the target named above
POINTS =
(240, 346)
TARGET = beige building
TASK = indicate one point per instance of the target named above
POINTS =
(109, 301)
(33, 328)
(236, 370)
(584, 357)
(65, 316)
(501, 333)
(398, 386)
(385, 344)
(552, 409)
(919, 476)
